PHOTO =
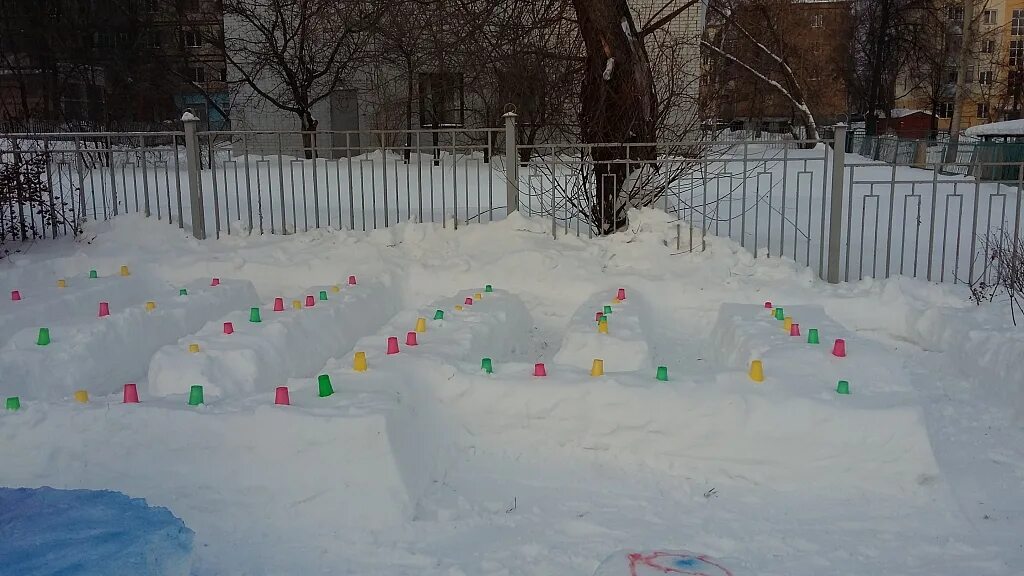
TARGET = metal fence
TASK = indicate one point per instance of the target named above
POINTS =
(845, 216)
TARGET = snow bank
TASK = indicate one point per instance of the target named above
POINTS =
(101, 354)
(624, 348)
(261, 356)
(89, 533)
(78, 301)
(986, 351)
(421, 431)
(720, 433)
(235, 477)
(744, 332)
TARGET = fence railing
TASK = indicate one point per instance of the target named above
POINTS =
(845, 216)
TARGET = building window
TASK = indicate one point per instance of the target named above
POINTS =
(988, 46)
(970, 75)
(985, 77)
(817, 21)
(982, 110)
(442, 100)
(1016, 52)
(102, 40)
(951, 76)
(988, 17)
(191, 39)
(1017, 23)
(945, 110)
(955, 13)
(197, 74)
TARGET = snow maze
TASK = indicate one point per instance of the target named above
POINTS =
(364, 447)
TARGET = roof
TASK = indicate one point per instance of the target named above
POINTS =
(902, 112)
(1007, 128)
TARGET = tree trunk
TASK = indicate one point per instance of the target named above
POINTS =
(309, 125)
(618, 104)
(961, 84)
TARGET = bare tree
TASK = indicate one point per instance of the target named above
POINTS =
(297, 53)
(762, 43)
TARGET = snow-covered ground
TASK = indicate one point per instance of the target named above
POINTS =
(425, 464)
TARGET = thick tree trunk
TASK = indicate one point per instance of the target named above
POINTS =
(309, 125)
(618, 104)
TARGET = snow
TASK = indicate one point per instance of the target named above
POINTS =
(426, 464)
(902, 112)
(89, 533)
(1005, 128)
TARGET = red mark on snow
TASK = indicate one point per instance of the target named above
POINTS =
(651, 561)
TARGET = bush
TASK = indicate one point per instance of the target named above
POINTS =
(1002, 272)
(25, 201)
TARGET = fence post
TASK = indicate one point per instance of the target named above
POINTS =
(835, 223)
(511, 164)
(195, 190)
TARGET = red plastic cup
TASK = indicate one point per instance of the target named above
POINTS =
(621, 294)
(131, 394)
(281, 396)
(278, 304)
(768, 305)
(794, 329)
(839, 348)
(229, 328)
(410, 339)
(351, 280)
(597, 316)
(310, 301)
(104, 309)
(539, 370)
(469, 301)
(15, 295)
(215, 282)
(392, 345)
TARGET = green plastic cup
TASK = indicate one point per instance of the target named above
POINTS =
(195, 395)
(780, 314)
(603, 320)
(13, 403)
(488, 288)
(93, 274)
(183, 292)
(254, 315)
(843, 387)
(439, 315)
(487, 366)
(324, 383)
(812, 336)
(44, 337)
(607, 310)
(323, 294)
(662, 373)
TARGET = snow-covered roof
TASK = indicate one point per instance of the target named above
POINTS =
(1007, 128)
(901, 112)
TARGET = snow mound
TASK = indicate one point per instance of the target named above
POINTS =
(89, 533)
(77, 302)
(260, 356)
(101, 354)
(745, 332)
(624, 348)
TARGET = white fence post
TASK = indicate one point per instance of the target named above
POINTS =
(195, 189)
(511, 164)
(835, 223)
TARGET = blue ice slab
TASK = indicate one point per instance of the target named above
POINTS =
(89, 533)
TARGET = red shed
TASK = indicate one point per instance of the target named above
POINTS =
(906, 123)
